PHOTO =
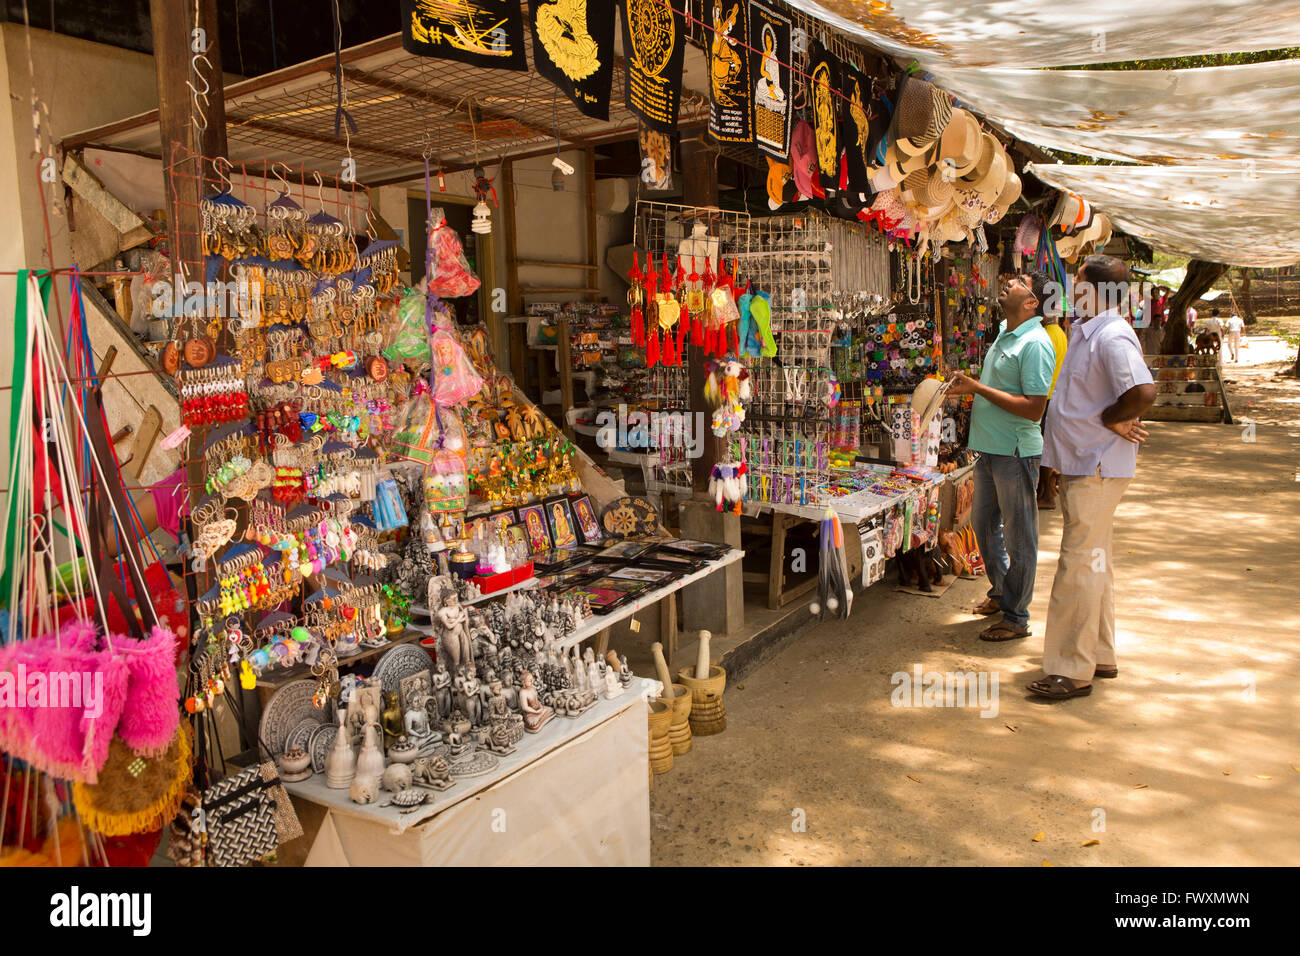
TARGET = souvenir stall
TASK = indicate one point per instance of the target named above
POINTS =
(401, 556)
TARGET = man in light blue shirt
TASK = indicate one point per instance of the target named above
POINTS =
(1094, 427)
(1009, 400)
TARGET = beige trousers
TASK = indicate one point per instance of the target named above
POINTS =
(1081, 614)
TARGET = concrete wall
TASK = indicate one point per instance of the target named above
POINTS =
(82, 84)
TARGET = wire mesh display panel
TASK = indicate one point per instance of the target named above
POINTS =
(659, 230)
(816, 271)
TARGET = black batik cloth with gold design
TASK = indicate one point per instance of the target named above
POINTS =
(487, 33)
(573, 47)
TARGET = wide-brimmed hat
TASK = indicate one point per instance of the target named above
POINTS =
(1010, 193)
(901, 164)
(990, 171)
(927, 397)
(1071, 211)
(914, 109)
(929, 187)
(961, 144)
(1097, 233)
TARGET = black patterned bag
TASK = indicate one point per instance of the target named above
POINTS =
(240, 821)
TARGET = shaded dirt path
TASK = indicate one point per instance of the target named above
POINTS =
(1191, 757)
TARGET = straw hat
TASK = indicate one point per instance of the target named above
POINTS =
(1010, 193)
(1097, 233)
(961, 143)
(990, 172)
(915, 118)
(926, 399)
(932, 189)
(900, 164)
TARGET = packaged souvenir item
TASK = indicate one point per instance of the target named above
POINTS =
(449, 275)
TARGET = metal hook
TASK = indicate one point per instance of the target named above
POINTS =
(320, 188)
(284, 182)
(217, 166)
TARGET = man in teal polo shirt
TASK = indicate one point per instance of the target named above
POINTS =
(1009, 400)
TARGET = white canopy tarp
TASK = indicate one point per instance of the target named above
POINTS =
(1245, 113)
(1030, 33)
(1221, 213)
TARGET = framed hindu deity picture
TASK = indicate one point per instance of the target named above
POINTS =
(533, 518)
(517, 535)
(559, 517)
(584, 515)
(500, 521)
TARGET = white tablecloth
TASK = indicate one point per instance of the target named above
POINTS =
(584, 802)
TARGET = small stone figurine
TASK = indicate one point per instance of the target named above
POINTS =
(535, 713)
(453, 620)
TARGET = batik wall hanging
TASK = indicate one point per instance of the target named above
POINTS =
(769, 41)
(573, 47)
(863, 123)
(653, 42)
(730, 106)
(823, 95)
(487, 33)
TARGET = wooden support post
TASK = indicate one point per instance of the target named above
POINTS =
(514, 301)
(564, 358)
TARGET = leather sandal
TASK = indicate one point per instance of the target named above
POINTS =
(1003, 631)
(989, 606)
(1057, 687)
(1106, 672)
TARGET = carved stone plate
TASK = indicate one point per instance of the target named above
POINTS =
(301, 734)
(402, 661)
(288, 707)
(321, 742)
(473, 765)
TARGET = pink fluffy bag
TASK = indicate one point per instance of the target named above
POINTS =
(87, 691)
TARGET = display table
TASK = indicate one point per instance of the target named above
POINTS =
(575, 793)
(598, 625)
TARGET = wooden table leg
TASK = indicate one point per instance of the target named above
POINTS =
(668, 627)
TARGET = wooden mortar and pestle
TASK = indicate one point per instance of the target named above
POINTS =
(706, 683)
(676, 696)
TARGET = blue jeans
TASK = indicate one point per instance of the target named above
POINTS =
(1005, 519)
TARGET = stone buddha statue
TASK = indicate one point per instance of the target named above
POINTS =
(535, 713)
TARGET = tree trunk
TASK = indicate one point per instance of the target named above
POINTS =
(1200, 276)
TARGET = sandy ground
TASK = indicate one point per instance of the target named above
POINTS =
(1192, 756)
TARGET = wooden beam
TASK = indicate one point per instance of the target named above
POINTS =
(546, 264)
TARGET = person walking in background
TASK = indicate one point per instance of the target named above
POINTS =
(1232, 335)
(1093, 432)
(1009, 401)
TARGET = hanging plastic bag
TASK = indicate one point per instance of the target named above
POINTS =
(423, 430)
(453, 377)
(449, 274)
(389, 511)
(446, 485)
(408, 336)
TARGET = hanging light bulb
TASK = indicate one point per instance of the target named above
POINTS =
(559, 169)
(482, 223)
